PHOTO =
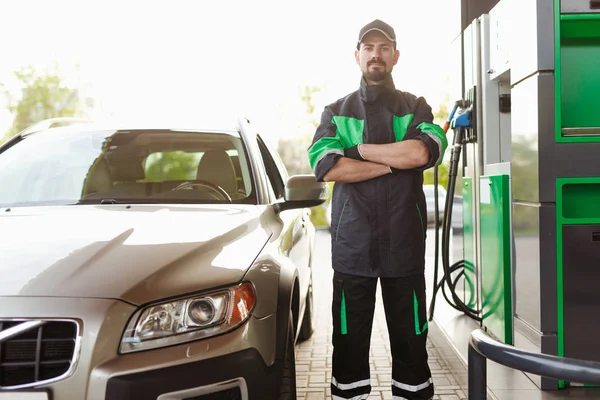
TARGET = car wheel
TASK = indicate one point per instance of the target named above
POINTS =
(306, 329)
(288, 381)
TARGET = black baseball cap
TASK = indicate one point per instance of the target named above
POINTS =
(377, 25)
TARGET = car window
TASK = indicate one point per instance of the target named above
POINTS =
(70, 167)
(276, 159)
(272, 169)
(180, 165)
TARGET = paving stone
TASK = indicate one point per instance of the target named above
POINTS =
(315, 396)
(440, 380)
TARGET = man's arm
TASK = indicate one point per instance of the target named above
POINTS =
(422, 145)
(326, 147)
(350, 171)
(329, 161)
(406, 154)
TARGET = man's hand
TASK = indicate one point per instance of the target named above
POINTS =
(354, 153)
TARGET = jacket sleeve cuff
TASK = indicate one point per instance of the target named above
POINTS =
(434, 151)
(325, 164)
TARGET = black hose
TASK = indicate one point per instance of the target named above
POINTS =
(436, 286)
(447, 283)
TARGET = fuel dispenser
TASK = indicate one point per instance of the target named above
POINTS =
(530, 177)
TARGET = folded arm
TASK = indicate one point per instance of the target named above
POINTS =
(406, 154)
(421, 145)
(326, 153)
(349, 170)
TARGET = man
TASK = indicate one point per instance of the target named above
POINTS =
(375, 144)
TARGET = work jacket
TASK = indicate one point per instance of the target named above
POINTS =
(378, 226)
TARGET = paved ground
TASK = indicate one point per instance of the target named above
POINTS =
(313, 357)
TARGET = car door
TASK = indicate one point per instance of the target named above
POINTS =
(295, 241)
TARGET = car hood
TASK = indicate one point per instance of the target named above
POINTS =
(136, 253)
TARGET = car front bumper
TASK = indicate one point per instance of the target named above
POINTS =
(240, 361)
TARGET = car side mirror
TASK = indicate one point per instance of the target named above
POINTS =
(303, 191)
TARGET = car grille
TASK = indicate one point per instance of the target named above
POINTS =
(229, 394)
(40, 354)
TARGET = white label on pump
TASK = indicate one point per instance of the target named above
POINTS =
(485, 190)
(24, 395)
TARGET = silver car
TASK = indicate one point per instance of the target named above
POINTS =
(151, 262)
(429, 191)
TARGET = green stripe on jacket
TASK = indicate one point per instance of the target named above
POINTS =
(438, 132)
(348, 133)
(401, 125)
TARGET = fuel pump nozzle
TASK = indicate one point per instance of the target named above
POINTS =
(461, 105)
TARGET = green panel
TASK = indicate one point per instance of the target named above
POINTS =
(468, 247)
(577, 77)
(577, 202)
(557, 75)
(579, 25)
(495, 256)
(581, 200)
(580, 83)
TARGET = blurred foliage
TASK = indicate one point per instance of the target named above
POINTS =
(443, 169)
(439, 117)
(171, 165)
(307, 97)
(43, 95)
(317, 217)
(318, 213)
(441, 114)
(293, 151)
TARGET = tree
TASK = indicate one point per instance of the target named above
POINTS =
(439, 117)
(43, 95)
(441, 114)
(293, 151)
(307, 97)
(428, 177)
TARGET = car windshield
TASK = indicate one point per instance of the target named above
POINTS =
(66, 166)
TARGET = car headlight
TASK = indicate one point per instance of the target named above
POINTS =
(188, 319)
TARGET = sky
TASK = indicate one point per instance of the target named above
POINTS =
(201, 59)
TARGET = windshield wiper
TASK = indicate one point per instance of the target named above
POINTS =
(108, 201)
(163, 201)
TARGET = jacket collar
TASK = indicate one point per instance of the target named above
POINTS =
(372, 93)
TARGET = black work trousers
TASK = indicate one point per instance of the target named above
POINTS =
(405, 310)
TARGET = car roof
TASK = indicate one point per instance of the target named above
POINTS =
(231, 125)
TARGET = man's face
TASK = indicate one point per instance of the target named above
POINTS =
(376, 57)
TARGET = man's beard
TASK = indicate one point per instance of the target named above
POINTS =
(377, 76)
